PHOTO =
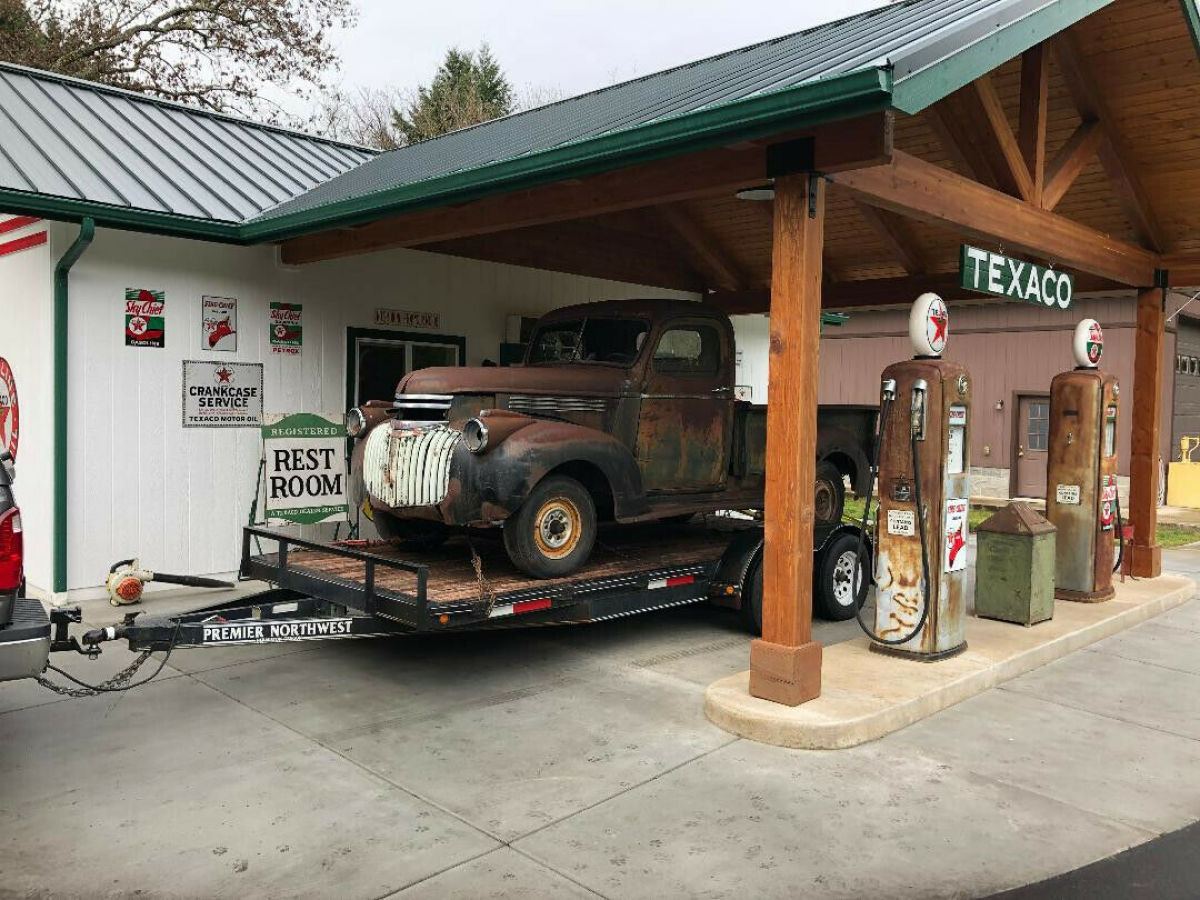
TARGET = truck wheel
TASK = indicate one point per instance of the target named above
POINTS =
(829, 498)
(835, 598)
(413, 532)
(752, 596)
(552, 532)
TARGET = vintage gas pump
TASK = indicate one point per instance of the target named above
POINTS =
(1081, 471)
(922, 454)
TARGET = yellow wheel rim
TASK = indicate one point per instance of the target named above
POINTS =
(557, 528)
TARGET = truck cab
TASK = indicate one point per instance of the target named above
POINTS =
(622, 411)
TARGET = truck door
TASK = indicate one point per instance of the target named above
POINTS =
(685, 424)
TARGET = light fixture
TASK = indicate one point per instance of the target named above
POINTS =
(999, 404)
(759, 192)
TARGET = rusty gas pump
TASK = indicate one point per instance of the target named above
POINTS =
(922, 453)
(1081, 471)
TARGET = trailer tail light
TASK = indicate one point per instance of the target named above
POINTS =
(673, 581)
(522, 606)
(12, 550)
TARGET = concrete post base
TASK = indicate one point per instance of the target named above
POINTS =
(1146, 562)
(783, 674)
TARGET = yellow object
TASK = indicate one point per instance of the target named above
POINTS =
(1183, 484)
(1187, 446)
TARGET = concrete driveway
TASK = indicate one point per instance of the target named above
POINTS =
(577, 762)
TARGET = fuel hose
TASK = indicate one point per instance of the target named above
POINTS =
(862, 532)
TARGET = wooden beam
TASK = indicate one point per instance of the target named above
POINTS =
(1076, 153)
(1035, 102)
(915, 188)
(948, 121)
(1183, 269)
(896, 236)
(882, 292)
(1013, 172)
(1146, 406)
(1115, 155)
(838, 146)
(700, 247)
(785, 665)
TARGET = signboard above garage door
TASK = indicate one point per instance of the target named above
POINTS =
(1014, 279)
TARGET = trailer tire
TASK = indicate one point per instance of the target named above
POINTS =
(412, 532)
(752, 596)
(833, 571)
(829, 496)
(551, 534)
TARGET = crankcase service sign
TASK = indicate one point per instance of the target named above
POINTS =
(222, 394)
(10, 411)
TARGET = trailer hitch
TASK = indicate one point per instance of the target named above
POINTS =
(62, 619)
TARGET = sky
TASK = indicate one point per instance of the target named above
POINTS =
(569, 46)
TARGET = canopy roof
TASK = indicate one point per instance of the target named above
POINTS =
(128, 161)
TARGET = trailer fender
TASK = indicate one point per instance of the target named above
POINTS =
(729, 582)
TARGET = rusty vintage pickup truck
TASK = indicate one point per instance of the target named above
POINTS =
(623, 411)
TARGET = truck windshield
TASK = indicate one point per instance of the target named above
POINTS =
(614, 342)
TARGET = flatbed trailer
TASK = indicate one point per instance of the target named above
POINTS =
(354, 589)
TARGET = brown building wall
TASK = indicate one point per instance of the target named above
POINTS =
(1010, 348)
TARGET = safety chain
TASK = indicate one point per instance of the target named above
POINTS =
(485, 586)
(117, 682)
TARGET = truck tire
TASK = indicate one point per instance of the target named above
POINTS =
(833, 571)
(412, 532)
(752, 596)
(553, 531)
(829, 497)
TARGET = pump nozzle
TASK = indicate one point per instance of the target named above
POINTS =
(917, 422)
(889, 389)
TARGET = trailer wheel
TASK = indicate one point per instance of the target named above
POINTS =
(835, 567)
(829, 497)
(752, 596)
(553, 531)
(413, 532)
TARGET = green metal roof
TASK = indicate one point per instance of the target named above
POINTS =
(903, 56)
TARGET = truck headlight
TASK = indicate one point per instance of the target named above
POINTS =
(356, 422)
(475, 435)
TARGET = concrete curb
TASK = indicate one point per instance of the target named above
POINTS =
(867, 695)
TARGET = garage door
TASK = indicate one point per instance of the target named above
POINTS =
(1186, 418)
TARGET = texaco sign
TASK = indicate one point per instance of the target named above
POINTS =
(10, 419)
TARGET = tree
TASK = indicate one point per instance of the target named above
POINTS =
(360, 115)
(217, 54)
(467, 89)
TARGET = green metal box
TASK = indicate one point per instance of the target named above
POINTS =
(1014, 566)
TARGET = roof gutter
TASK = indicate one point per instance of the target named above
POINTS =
(62, 273)
(65, 209)
(844, 96)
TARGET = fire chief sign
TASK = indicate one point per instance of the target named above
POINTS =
(304, 470)
(10, 420)
(222, 394)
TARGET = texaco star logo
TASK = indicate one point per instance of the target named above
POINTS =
(9, 410)
(138, 325)
(223, 375)
(935, 327)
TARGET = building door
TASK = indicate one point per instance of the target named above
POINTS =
(378, 359)
(1033, 440)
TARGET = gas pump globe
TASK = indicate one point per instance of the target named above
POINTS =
(1081, 471)
(923, 468)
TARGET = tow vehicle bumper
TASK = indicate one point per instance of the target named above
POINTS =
(25, 642)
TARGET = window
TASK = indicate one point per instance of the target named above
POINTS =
(381, 361)
(1037, 425)
(613, 342)
(688, 350)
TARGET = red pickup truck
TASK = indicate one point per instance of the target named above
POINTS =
(622, 411)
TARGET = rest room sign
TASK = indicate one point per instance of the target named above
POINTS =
(304, 470)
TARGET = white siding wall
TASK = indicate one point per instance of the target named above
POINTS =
(26, 341)
(142, 484)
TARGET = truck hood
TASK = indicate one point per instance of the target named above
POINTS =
(573, 380)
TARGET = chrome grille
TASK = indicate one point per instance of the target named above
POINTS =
(409, 466)
(551, 405)
(422, 407)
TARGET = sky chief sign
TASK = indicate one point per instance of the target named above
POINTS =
(1014, 279)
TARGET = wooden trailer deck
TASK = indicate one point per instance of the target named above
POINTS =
(452, 576)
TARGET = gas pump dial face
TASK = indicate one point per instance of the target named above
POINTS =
(1088, 343)
(928, 325)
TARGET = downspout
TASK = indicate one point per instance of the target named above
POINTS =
(62, 277)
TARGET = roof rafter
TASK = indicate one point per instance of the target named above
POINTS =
(1071, 159)
(1008, 161)
(1114, 153)
(701, 248)
(1034, 113)
(896, 236)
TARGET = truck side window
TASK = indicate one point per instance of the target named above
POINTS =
(688, 350)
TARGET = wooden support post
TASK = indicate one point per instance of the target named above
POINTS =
(785, 665)
(1143, 454)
